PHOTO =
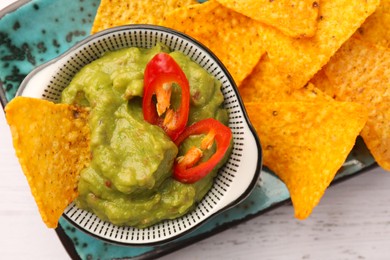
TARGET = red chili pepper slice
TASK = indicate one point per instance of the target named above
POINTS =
(160, 73)
(186, 169)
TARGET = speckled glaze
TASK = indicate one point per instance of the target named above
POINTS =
(39, 31)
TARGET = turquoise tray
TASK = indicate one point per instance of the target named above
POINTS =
(33, 32)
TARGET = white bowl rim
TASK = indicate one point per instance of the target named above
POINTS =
(256, 175)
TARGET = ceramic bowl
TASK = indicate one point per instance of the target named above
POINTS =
(234, 181)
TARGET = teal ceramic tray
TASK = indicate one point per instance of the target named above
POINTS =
(33, 32)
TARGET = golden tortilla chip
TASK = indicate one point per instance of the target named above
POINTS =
(265, 84)
(322, 82)
(293, 18)
(298, 60)
(121, 12)
(376, 29)
(360, 72)
(376, 133)
(306, 143)
(233, 37)
(52, 144)
(308, 93)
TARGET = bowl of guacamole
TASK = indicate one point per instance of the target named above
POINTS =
(162, 107)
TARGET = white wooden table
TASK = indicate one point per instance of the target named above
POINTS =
(351, 222)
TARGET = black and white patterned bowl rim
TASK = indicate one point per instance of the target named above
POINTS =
(235, 180)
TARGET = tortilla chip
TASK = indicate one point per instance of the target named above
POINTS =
(305, 143)
(322, 82)
(121, 12)
(298, 60)
(376, 133)
(266, 84)
(52, 144)
(293, 18)
(360, 72)
(231, 36)
(376, 29)
(308, 93)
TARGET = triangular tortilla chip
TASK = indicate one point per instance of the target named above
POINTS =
(265, 84)
(305, 143)
(322, 82)
(360, 72)
(233, 37)
(52, 144)
(297, 60)
(294, 18)
(376, 29)
(121, 12)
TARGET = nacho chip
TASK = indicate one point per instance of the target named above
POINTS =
(264, 83)
(121, 12)
(376, 133)
(376, 29)
(231, 36)
(294, 18)
(360, 72)
(52, 144)
(322, 82)
(298, 60)
(260, 86)
(308, 93)
(305, 143)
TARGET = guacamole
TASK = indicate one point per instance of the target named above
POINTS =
(128, 181)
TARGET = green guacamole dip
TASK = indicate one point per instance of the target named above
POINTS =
(129, 178)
